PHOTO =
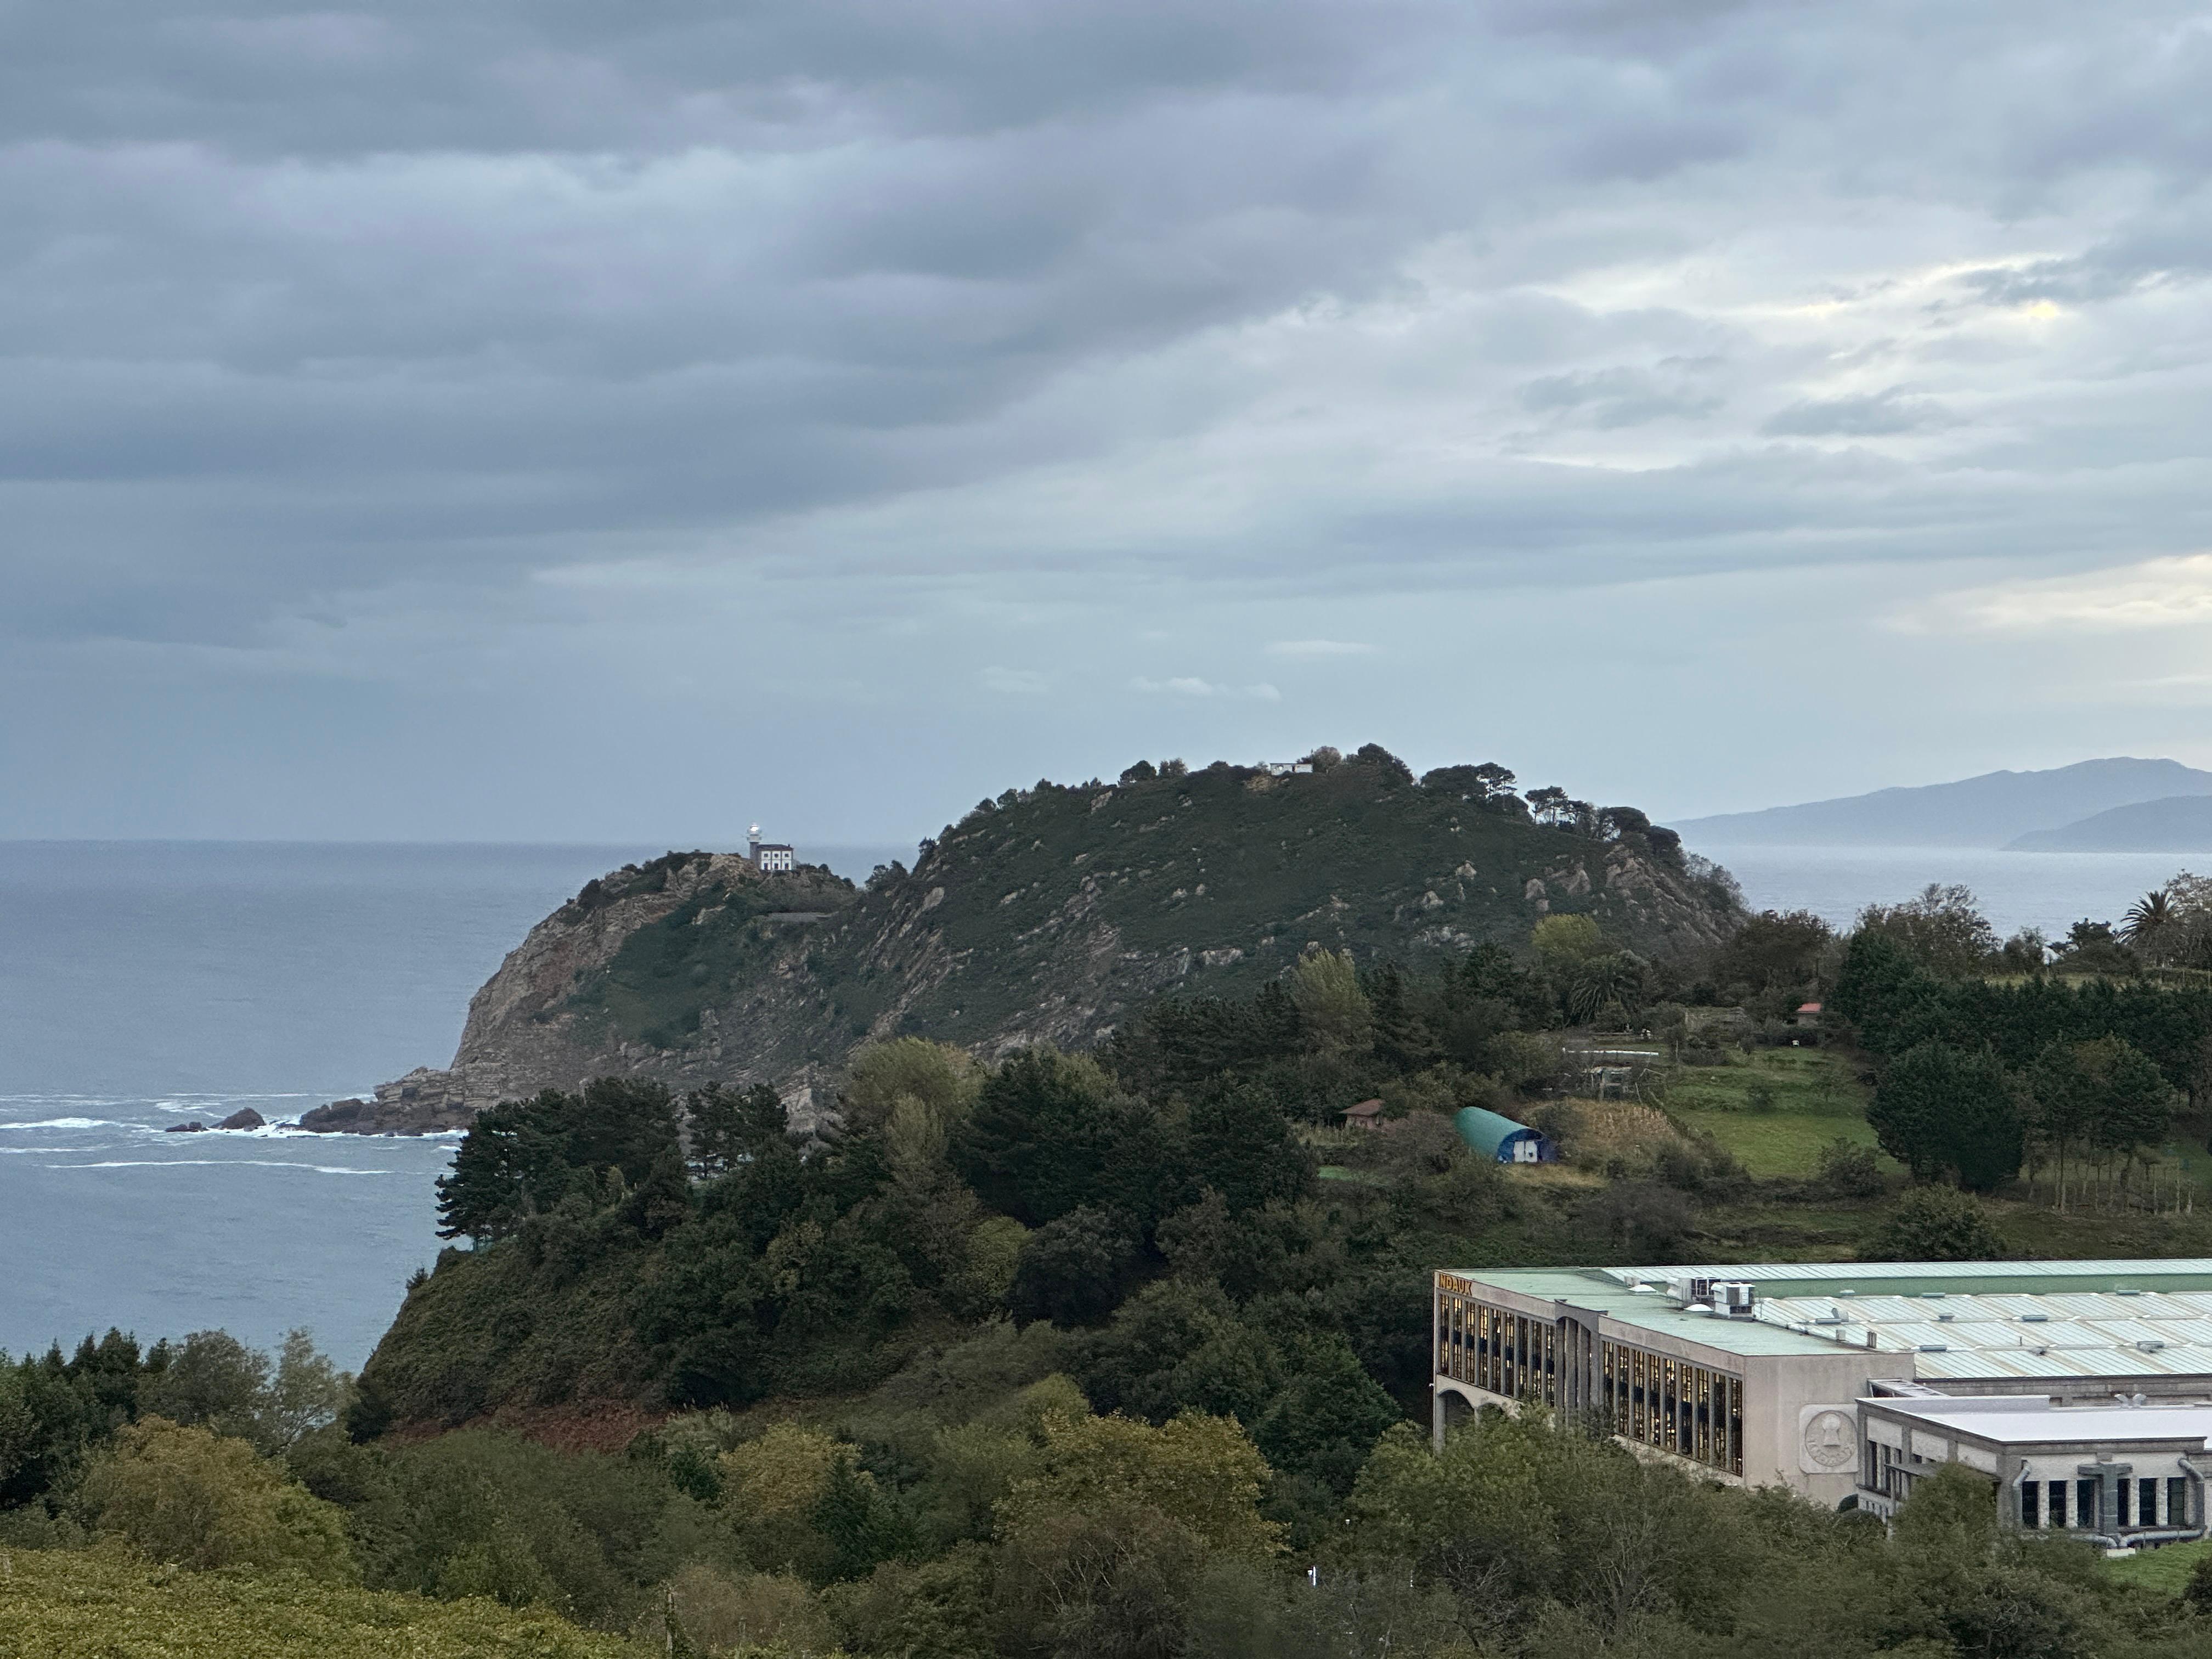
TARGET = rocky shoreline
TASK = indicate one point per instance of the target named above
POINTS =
(244, 1118)
(424, 1102)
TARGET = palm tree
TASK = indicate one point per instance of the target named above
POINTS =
(1607, 983)
(2149, 919)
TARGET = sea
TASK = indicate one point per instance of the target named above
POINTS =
(144, 985)
(2049, 891)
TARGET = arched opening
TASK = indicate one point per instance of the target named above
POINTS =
(1457, 1409)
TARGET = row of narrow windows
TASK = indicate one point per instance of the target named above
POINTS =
(1653, 1399)
(2059, 1505)
(1506, 1353)
(1690, 1410)
(2145, 1503)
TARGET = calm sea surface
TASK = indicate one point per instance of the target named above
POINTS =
(2048, 891)
(145, 984)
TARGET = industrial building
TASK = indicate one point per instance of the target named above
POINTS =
(2080, 1390)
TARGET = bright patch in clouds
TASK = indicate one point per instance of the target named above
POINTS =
(2157, 593)
(1186, 685)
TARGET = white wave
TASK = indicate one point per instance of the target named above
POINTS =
(70, 1123)
(225, 1162)
(71, 1100)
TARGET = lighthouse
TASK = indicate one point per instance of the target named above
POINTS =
(769, 857)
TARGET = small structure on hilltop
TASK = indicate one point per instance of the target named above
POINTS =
(1490, 1135)
(1368, 1114)
(770, 857)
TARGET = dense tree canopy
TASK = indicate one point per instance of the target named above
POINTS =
(1941, 1110)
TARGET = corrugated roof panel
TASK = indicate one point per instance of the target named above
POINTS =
(2154, 1304)
(1888, 1309)
(2054, 1334)
(2003, 1362)
(2089, 1330)
(2124, 1333)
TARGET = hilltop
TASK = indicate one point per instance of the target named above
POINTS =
(1043, 915)
(2179, 824)
(1992, 810)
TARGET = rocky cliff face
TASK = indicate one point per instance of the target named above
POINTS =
(534, 1025)
(1045, 915)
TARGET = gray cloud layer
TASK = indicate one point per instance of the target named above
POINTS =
(377, 389)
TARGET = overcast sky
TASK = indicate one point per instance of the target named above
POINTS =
(556, 421)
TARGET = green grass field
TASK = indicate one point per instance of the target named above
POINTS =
(2166, 1569)
(1776, 1109)
(1777, 1143)
(1812, 1082)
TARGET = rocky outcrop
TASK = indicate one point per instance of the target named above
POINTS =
(195, 1128)
(424, 1102)
(244, 1118)
(1046, 915)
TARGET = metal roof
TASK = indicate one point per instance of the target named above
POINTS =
(2028, 1420)
(1486, 1131)
(1960, 1320)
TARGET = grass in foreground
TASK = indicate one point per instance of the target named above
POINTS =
(104, 1604)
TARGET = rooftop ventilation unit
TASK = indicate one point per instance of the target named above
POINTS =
(1935, 1348)
(1733, 1297)
(2035, 1319)
(2150, 1345)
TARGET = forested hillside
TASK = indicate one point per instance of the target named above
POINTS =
(1050, 915)
(1057, 1356)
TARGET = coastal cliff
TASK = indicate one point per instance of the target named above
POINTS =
(1044, 915)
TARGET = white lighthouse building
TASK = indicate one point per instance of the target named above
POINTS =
(770, 857)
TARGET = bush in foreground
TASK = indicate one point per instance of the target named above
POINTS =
(64, 1603)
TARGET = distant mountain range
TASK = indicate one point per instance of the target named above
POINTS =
(1996, 809)
(2179, 824)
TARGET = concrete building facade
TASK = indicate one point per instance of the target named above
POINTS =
(1848, 1382)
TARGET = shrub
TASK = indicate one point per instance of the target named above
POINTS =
(1073, 1271)
(203, 1501)
(1847, 1169)
(721, 1612)
(1639, 1221)
(1934, 1223)
(994, 1248)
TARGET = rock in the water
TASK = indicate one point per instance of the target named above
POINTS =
(194, 1127)
(244, 1118)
